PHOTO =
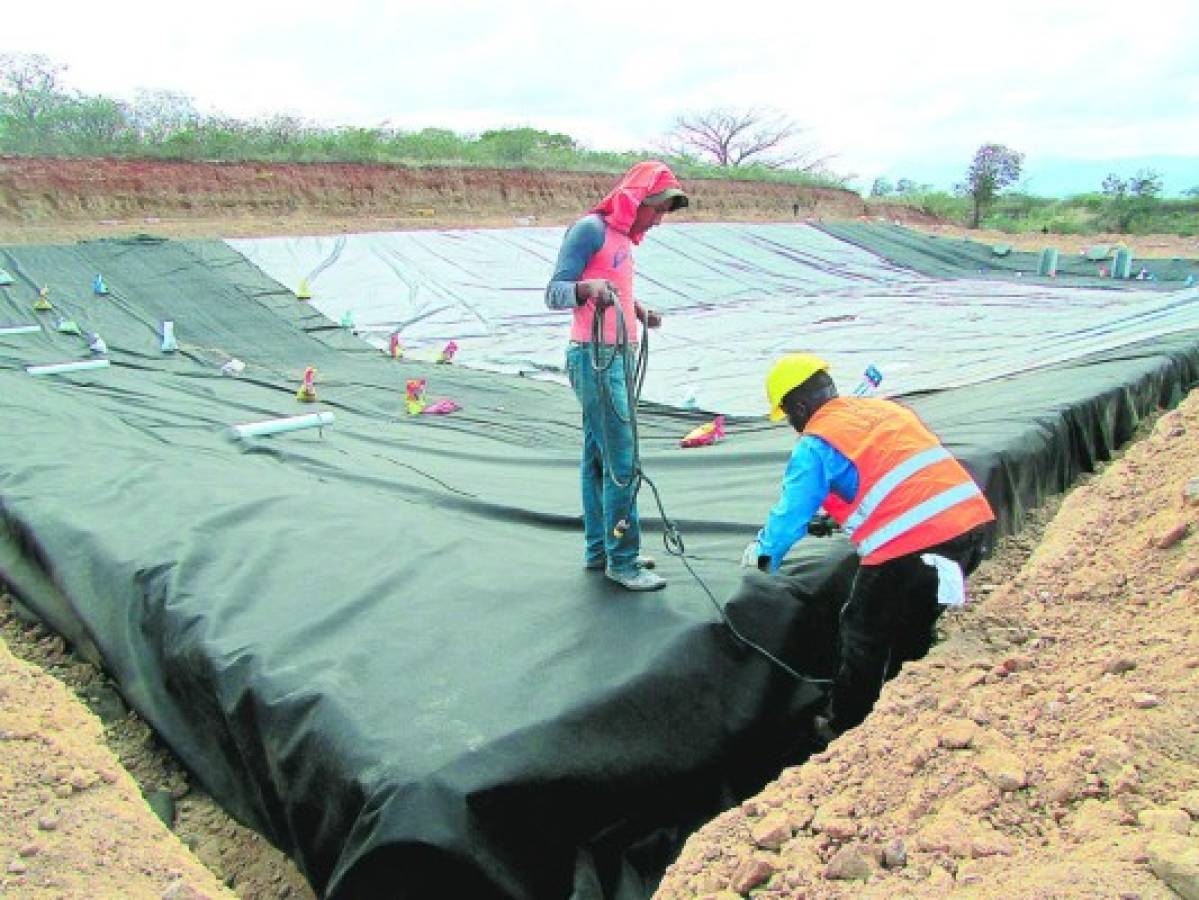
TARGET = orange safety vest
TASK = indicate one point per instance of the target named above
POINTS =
(912, 493)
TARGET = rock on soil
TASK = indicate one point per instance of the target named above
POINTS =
(1047, 747)
(163, 796)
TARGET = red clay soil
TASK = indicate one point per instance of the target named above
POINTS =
(53, 200)
(41, 198)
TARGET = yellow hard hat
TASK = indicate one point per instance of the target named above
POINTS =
(790, 372)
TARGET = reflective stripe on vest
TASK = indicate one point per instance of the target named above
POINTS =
(918, 515)
(889, 482)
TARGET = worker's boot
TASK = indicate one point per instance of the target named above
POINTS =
(638, 579)
(599, 563)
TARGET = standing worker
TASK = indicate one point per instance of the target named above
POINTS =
(594, 273)
(915, 516)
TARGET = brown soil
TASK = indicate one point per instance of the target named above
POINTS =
(1047, 748)
(43, 200)
(54, 200)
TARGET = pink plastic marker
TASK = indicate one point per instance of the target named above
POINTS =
(705, 435)
(394, 348)
(440, 407)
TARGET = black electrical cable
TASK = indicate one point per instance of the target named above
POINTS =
(672, 538)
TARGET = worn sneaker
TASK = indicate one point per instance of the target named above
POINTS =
(637, 580)
(596, 563)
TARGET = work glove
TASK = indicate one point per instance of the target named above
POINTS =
(652, 318)
(752, 558)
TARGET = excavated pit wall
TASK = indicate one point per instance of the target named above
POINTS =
(34, 190)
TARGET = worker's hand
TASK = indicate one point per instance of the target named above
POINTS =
(651, 318)
(598, 290)
(822, 525)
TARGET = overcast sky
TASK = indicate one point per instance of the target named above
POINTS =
(881, 85)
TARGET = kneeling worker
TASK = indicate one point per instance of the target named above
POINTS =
(914, 514)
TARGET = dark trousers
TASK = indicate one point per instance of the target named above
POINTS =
(888, 620)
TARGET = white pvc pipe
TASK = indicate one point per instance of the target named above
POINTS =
(278, 426)
(20, 329)
(59, 368)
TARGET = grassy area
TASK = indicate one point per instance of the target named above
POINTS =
(1017, 213)
(284, 139)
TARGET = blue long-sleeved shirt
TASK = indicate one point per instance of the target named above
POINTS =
(815, 469)
(582, 241)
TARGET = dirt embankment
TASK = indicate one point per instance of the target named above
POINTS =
(76, 198)
(55, 200)
(73, 821)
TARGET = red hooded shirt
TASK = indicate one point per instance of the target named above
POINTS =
(614, 260)
(645, 179)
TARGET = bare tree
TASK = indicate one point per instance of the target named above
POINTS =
(159, 114)
(733, 137)
(29, 86)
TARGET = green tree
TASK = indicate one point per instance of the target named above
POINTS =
(881, 188)
(434, 144)
(522, 145)
(91, 125)
(360, 144)
(1126, 201)
(906, 187)
(993, 168)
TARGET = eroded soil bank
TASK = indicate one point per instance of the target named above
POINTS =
(53, 199)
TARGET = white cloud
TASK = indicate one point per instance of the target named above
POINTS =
(872, 83)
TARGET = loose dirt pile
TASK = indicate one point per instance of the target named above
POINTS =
(1048, 748)
(74, 822)
(81, 781)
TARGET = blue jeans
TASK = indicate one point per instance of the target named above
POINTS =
(607, 451)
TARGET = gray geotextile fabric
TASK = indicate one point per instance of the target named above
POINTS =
(376, 643)
(964, 257)
(734, 297)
